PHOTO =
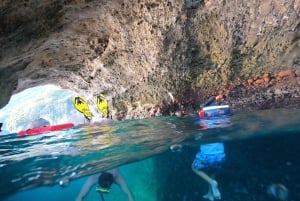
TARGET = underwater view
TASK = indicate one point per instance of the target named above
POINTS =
(154, 155)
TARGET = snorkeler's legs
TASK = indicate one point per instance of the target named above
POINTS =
(209, 194)
(215, 190)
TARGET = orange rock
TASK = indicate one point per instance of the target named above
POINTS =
(267, 79)
(256, 77)
(266, 75)
(250, 81)
(285, 73)
(259, 81)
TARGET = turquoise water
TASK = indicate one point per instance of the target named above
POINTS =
(33, 165)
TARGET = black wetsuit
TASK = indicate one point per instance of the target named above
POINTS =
(211, 101)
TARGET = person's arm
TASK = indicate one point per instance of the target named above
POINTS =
(87, 187)
(119, 179)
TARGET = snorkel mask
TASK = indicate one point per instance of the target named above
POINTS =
(100, 189)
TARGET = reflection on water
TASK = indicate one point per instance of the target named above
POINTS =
(45, 159)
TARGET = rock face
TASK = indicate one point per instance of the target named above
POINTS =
(142, 53)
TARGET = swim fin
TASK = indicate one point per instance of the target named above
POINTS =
(102, 104)
(81, 105)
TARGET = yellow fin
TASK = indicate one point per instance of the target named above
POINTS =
(81, 105)
(102, 104)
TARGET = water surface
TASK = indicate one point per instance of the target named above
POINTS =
(45, 159)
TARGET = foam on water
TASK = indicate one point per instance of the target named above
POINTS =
(49, 102)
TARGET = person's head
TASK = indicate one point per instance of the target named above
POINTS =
(105, 181)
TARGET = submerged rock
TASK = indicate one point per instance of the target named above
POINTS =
(278, 192)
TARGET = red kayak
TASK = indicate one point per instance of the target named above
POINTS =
(42, 129)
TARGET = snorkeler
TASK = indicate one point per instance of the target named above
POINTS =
(105, 180)
(209, 158)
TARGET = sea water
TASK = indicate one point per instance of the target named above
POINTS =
(261, 150)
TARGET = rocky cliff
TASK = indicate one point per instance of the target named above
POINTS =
(151, 55)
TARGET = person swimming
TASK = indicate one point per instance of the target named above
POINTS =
(210, 157)
(105, 180)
